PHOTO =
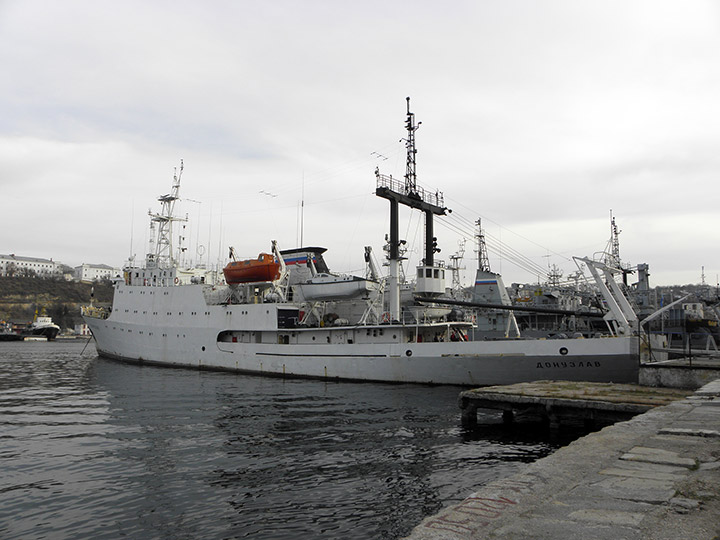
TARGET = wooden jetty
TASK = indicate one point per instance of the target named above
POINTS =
(555, 402)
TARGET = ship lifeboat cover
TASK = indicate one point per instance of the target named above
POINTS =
(264, 268)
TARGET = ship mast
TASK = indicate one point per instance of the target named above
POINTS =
(410, 173)
(163, 253)
(455, 267)
(483, 259)
(432, 280)
(614, 260)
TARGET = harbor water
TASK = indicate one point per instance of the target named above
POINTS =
(92, 448)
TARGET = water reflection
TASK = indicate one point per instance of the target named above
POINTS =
(93, 448)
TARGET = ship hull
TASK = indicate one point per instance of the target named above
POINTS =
(477, 368)
(174, 326)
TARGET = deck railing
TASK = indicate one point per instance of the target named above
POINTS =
(94, 312)
(398, 186)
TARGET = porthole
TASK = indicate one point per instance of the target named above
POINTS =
(563, 350)
(408, 353)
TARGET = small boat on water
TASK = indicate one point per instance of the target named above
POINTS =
(42, 327)
(264, 268)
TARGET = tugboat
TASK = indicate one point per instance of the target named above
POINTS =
(42, 327)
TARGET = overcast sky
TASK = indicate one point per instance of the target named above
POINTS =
(540, 118)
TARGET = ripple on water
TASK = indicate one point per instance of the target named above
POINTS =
(98, 449)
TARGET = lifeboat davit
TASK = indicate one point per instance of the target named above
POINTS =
(264, 268)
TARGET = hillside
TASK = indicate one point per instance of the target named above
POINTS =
(60, 299)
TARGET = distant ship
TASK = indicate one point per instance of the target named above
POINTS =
(42, 326)
(7, 333)
(296, 318)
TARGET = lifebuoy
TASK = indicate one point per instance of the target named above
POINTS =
(385, 317)
(176, 281)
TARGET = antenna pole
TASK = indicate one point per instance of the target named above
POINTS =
(410, 168)
(132, 226)
(302, 210)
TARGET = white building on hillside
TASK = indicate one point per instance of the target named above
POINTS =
(92, 272)
(15, 265)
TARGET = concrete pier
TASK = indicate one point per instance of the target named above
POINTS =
(684, 372)
(558, 401)
(654, 477)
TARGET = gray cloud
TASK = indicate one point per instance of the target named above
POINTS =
(538, 117)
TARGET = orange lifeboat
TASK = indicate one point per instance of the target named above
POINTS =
(264, 268)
